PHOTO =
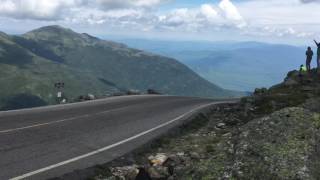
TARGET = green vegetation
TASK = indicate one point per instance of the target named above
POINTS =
(33, 62)
(22, 101)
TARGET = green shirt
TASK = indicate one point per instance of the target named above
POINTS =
(303, 69)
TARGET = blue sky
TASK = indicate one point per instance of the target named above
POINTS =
(277, 21)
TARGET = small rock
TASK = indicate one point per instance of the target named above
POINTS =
(158, 172)
(307, 88)
(290, 82)
(195, 155)
(231, 121)
(158, 160)
(227, 135)
(180, 154)
(171, 178)
(221, 125)
(126, 172)
(143, 175)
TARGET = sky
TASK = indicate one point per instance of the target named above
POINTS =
(275, 21)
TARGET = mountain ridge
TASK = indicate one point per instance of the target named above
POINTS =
(34, 61)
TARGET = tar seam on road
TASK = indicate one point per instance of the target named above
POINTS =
(58, 121)
(110, 146)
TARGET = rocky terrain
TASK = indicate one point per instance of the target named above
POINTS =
(273, 134)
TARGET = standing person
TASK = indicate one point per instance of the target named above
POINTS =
(309, 55)
(318, 54)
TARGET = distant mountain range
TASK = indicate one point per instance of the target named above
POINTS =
(31, 63)
(239, 66)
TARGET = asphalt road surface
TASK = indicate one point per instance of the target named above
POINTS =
(47, 142)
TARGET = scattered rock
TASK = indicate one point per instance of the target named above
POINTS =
(158, 172)
(307, 88)
(195, 155)
(143, 175)
(290, 82)
(231, 121)
(158, 160)
(221, 125)
(126, 172)
(180, 154)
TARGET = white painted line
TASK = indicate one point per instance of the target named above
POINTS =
(61, 106)
(55, 122)
(38, 125)
(110, 146)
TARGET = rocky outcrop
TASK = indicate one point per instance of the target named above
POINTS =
(273, 134)
(279, 146)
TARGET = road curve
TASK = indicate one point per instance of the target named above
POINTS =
(46, 142)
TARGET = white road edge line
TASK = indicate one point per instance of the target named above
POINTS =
(110, 146)
(55, 122)
(38, 125)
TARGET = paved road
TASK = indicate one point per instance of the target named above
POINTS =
(47, 142)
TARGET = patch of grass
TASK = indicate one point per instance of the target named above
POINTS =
(196, 123)
(22, 101)
(272, 102)
(210, 148)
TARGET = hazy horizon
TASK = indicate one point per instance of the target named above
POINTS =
(119, 38)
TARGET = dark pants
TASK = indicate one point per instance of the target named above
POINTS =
(318, 61)
(308, 63)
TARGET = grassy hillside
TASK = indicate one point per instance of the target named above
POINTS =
(33, 62)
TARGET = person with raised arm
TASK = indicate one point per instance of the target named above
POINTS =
(318, 54)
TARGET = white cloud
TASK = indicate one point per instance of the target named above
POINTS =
(128, 15)
(208, 11)
(117, 19)
(295, 18)
(115, 4)
(35, 9)
(59, 9)
(206, 18)
(230, 12)
(285, 18)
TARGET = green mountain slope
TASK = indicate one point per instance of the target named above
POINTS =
(33, 62)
